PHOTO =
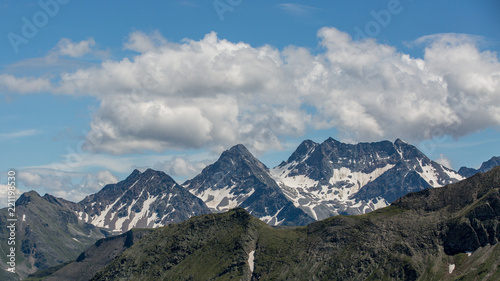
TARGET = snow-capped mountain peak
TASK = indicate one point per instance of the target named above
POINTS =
(337, 178)
(148, 199)
(238, 179)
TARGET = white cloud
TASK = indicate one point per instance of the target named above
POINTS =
(119, 123)
(370, 91)
(443, 160)
(24, 85)
(66, 47)
(297, 9)
(141, 42)
(20, 134)
(213, 93)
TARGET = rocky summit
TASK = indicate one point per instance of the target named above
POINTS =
(335, 178)
(238, 179)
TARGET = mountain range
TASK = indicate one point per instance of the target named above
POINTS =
(316, 182)
(447, 233)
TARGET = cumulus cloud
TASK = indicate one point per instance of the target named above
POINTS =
(215, 93)
(66, 47)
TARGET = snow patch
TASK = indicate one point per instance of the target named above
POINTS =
(272, 220)
(451, 267)
(144, 211)
(308, 194)
(214, 197)
(99, 221)
(430, 175)
(251, 257)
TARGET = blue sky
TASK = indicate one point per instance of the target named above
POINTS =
(90, 90)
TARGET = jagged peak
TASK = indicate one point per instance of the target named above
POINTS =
(134, 174)
(150, 171)
(239, 148)
(332, 140)
(236, 152)
(399, 142)
(303, 148)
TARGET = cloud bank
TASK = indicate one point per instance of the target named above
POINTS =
(215, 93)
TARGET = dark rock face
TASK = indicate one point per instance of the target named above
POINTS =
(238, 179)
(485, 167)
(477, 229)
(393, 184)
(142, 200)
(334, 178)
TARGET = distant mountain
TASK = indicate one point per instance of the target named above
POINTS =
(447, 233)
(485, 167)
(47, 234)
(334, 178)
(143, 200)
(238, 179)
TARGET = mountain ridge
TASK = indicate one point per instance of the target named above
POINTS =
(381, 245)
